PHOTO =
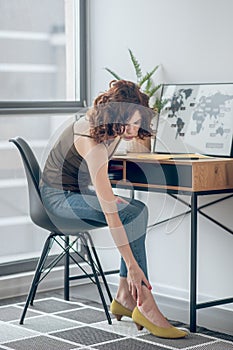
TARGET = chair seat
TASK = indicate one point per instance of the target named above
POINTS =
(65, 226)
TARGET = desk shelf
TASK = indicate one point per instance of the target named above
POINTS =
(202, 175)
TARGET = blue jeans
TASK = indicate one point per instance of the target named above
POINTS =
(134, 217)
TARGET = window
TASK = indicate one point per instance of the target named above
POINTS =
(42, 74)
(42, 45)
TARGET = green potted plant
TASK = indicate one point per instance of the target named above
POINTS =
(145, 81)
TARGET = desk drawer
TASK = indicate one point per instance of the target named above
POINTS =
(159, 174)
(212, 176)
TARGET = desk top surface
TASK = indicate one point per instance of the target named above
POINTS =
(171, 158)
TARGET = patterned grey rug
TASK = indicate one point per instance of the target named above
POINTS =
(54, 324)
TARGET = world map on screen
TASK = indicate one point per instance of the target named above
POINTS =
(201, 116)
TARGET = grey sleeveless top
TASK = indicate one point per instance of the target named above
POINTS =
(65, 168)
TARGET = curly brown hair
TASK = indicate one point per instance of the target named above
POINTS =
(113, 109)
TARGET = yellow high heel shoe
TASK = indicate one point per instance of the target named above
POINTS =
(119, 310)
(142, 321)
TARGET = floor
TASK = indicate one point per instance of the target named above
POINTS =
(53, 323)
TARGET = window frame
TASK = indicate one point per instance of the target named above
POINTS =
(22, 107)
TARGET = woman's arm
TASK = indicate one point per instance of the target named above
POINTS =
(97, 160)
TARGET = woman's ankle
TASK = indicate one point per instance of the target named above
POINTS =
(126, 300)
(123, 295)
(151, 311)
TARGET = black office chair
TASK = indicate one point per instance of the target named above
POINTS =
(60, 230)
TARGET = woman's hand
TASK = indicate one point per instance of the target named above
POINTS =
(135, 278)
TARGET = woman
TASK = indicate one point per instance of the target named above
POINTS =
(79, 158)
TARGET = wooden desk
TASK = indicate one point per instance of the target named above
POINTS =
(186, 175)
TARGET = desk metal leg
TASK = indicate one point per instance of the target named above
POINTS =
(67, 271)
(193, 263)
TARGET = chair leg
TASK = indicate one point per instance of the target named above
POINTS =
(67, 271)
(85, 243)
(99, 266)
(35, 282)
(39, 272)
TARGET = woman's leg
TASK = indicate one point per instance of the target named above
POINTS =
(134, 217)
(72, 205)
(135, 220)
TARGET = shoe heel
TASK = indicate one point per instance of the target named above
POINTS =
(118, 317)
(139, 327)
(119, 310)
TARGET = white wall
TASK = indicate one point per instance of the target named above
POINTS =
(191, 39)
(192, 42)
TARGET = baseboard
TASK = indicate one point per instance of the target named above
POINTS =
(218, 318)
(17, 285)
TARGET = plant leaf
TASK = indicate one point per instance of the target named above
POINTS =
(112, 73)
(148, 87)
(136, 65)
(153, 91)
(147, 76)
(159, 104)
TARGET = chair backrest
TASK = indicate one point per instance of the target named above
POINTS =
(38, 213)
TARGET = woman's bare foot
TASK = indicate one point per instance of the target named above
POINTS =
(151, 311)
(123, 296)
(148, 308)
